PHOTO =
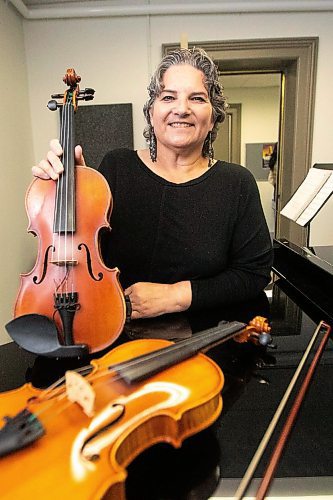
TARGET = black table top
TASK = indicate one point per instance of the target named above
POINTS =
(212, 462)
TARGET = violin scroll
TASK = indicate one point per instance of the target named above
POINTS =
(71, 78)
(257, 331)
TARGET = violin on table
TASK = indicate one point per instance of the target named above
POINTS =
(76, 438)
(70, 304)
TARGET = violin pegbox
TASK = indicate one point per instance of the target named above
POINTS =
(257, 331)
(73, 94)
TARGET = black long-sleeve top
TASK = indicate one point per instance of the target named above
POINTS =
(210, 230)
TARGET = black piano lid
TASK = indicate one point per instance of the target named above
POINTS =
(309, 272)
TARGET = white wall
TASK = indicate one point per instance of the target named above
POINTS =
(115, 56)
(109, 54)
(16, 246)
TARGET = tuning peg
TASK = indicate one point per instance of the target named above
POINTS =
(85, 97)
(265, 339)
(52, 105)
(89, 91)
(86, 94)
(57, 96)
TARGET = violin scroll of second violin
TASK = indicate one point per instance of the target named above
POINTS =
(257, 331)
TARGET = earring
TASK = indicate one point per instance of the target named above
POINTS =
(207, 149)
(152, 144)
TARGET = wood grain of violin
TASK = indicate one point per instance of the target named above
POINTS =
(141, 393)
(69, 283)
(166, 408)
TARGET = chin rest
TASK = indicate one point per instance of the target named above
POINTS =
(38, 334)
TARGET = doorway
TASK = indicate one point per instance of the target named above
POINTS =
(296, 60)
(228, 144)
(250, 133)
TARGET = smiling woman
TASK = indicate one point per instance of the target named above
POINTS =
(182, 118)
(188, 231)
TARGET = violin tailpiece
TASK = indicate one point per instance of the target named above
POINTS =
(19, 431)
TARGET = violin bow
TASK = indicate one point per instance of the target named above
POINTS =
(273, 462)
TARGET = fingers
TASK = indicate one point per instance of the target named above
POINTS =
(147, 299)
(51, 166)
(56, 147)
(40, 172)
(135, 313)
(79, 158)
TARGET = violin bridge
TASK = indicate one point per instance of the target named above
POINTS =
(79, 390)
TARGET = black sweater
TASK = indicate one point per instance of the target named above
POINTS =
(210, 230)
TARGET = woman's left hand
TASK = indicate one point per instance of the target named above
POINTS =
(154, 299)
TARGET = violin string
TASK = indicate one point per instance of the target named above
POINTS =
(60, 383)
(63, 204)
(61, 395)
(72, 153)
(179, 346)
(56, 411)
(70, 197)
(146, 358)
(59, 219)
(66, 191)
(48, 393)
(58, 211)
(112, 376)
(115, 376)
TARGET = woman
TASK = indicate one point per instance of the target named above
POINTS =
(188, 231)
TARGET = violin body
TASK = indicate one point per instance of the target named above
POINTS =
(86, 457)
(70, 304)
(65, 264)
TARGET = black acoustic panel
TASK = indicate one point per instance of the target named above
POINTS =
(102, 127)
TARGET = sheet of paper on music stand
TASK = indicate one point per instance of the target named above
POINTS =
(311, 195)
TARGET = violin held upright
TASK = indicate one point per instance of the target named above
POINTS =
(70, 304)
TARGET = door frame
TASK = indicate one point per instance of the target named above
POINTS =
(296, 59)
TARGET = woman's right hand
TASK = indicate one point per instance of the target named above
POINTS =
(51, 166)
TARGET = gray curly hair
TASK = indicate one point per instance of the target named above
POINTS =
(200, 60)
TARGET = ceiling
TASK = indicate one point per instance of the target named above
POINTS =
(229, 81)
(64, 9)
(245, 5)
(41, 3)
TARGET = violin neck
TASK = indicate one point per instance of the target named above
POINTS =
(147, 365)
(64, 217)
